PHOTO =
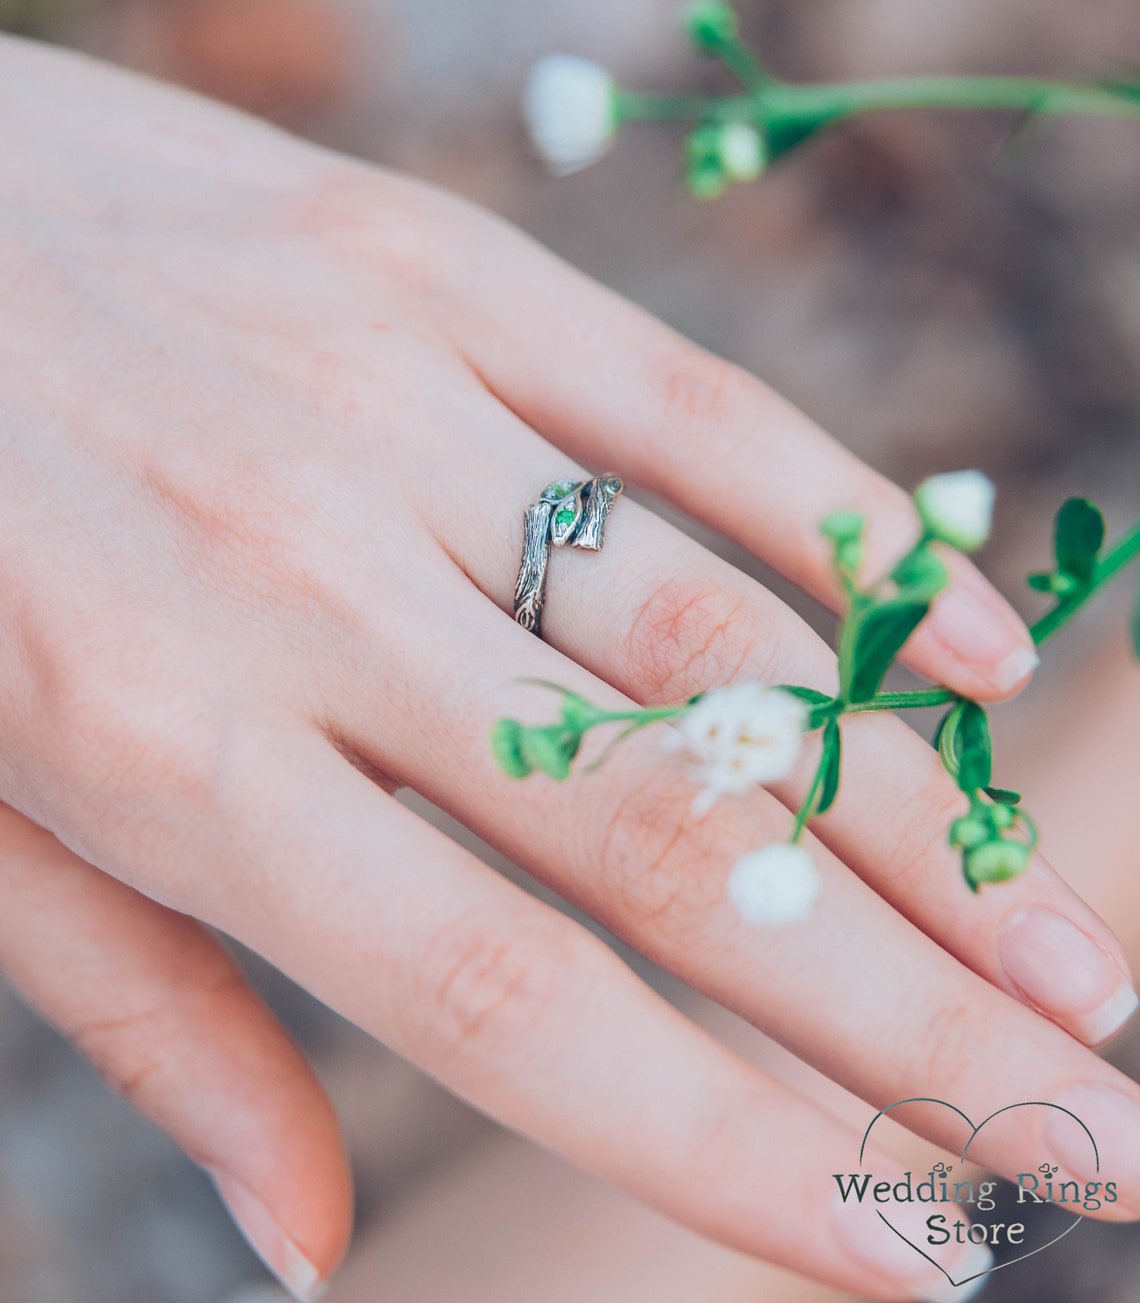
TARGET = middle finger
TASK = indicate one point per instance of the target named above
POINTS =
(660, 617)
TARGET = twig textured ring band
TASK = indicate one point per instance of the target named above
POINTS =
(567, 512)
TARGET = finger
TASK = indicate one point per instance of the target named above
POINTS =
(617, 389)
(661, 618)
(166, 1016)
(856, 989)
(523, 1013)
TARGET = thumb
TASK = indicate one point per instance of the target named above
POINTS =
(165, 1015)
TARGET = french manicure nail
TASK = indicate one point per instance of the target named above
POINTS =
(1113, 1118)
(871, 1241)
(1018, 665)
(977, 626)
(1061, 971)
(279, 1253)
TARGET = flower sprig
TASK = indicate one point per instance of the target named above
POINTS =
(574, 108)
(747, 735)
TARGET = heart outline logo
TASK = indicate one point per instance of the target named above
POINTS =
(974, 1129)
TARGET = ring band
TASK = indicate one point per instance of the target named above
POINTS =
(567, 512)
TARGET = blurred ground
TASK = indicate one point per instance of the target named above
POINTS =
(934, 293)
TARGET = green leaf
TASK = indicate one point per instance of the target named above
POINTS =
(811, 695)
(946, 739)
(829, 763)
(975, 753)
(921, 574)
(1078, 536)
(1041, 581)
(877, 638)
(823, 707)
(506, 747)
(1002, 796)
(791, 130)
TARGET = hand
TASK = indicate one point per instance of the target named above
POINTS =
(272, 420)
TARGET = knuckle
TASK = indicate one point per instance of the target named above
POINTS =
(400, 227)
(705, 397)
(489, 987)
(690, 634)
(128, 1052)
(949, 1047)
(140, 1052)
(656, 852)
(126, 753)
(254, 533)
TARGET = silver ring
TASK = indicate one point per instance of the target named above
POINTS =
(567, 512)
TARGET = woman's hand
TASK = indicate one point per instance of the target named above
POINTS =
(271, 420)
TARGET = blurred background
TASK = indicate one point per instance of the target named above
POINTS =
(937, 291)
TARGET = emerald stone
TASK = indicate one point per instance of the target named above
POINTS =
(565, 516)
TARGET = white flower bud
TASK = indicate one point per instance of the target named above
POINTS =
(778, 884)
(743, 154)
(570, 106)
(743, 736)
(957, 508)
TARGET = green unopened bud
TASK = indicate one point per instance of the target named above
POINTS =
(506, 747)
(968, 832)
(1001, 816)
(705, 176)
(711, 24)
(843, 526)
(921, 574)
(995, 861)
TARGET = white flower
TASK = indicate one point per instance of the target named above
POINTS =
(778, 884)
(743, 736)
(742, 152)
(570, 106)
(957, 508)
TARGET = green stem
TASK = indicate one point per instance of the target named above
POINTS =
(739, 60)
(830, 102)
(903, 700)
(783, 104)
(1110, 564)
(804, 813)
(635, 107)
(650, 715)
(1125, 550)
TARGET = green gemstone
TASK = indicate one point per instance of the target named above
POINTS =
(564, 517)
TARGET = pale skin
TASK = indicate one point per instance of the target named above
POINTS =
(271, 419)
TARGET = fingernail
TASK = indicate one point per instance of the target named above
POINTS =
(1061, 971)
(1113, 1118)
(977, 626)
(865, 1235)
(279, 1253)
